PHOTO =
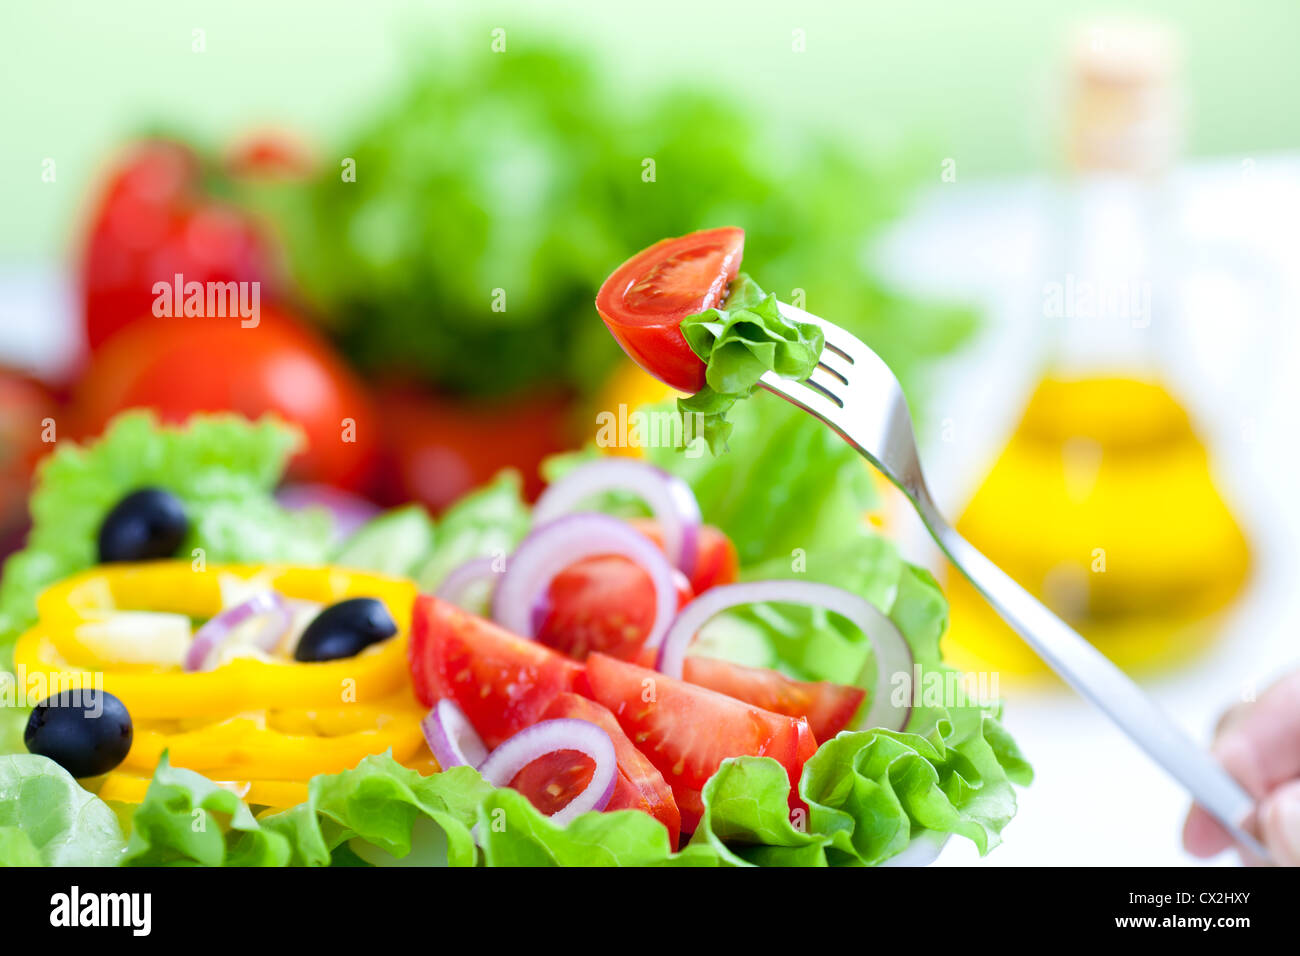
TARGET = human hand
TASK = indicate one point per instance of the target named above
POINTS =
(1259, 744)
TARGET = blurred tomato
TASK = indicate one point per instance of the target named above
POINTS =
(26, 409)
(153, 222)
(179, 366)
(438, 448)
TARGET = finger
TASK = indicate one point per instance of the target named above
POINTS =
(1231, 717)
(1202, 834)
(1261, 746)
(1279, 817)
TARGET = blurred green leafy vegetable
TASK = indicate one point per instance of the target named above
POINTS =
(494, 193)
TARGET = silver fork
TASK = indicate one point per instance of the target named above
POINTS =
(853, 391)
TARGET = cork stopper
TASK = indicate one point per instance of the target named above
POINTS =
(1123, 112)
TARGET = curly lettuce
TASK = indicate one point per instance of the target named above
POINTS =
(738, 343)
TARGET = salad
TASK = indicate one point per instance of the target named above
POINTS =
(630, 671)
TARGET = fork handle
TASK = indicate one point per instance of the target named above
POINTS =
(1098, 680)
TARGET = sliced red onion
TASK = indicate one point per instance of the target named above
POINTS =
(893, 655)
(670, 499)
(561, 543)
(349, 511)
(546, 737)
(268, 605)
(451, 736)
(459, 583)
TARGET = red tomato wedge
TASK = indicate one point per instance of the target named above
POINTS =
(502, 682)
(605, 604)
(690, 803)
(827, 707)
(550, 782)
(687, 731)
(644, 301)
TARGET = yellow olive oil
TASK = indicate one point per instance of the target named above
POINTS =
(1103, 505)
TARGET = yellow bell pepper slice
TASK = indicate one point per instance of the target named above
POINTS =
(252, 746)
(50, 647)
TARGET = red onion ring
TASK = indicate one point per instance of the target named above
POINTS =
(893, 655)
(209, 638)
(561, 543)
(548, 736)
(462, 578)
(451, 736)
(670, 499)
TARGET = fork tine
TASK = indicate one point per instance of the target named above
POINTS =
(810, 398)
(844, 347)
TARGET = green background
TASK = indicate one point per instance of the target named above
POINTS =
(970, 81)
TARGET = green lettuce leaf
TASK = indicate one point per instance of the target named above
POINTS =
(379, 803)
(222, 467)
(187, 820)
(13, 719)
(17, 849)
(747, 819)
(395, 543)
(787, 483)
(514, 833)
(487, 522)
(46, 818)
(738, 343)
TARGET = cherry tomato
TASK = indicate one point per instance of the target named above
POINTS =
(179, 366)
(644, 301)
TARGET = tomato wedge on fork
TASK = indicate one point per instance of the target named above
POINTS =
(644, 301)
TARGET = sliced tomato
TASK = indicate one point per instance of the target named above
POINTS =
(827, 707)
(687, 731)
(502, 682)
(716, 560)
(644, 301)
(550, 782)
(605, 604)
(691, 805)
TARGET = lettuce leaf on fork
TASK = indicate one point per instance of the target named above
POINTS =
(738, 342)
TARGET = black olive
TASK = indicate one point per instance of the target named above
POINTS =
(86, 732)
(345, 630)
(145, 525)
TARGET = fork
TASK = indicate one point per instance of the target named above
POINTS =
(853, 391)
